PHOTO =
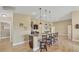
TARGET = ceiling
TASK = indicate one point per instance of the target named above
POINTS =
(57, 12)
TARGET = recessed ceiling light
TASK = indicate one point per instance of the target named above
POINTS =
(3, 15)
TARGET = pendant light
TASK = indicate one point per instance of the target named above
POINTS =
(40, 15)
(50, 19)
(50, 14)
(46, 15)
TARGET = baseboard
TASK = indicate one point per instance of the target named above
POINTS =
(19, 43)
(4, 37)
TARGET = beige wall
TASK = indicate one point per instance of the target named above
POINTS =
(62, 26)
(19, 31)
(75, 20)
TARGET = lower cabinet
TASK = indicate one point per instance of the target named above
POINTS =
(31, 41)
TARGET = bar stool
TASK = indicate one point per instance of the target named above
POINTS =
(43, 43)
(43, 46)
(49, 41)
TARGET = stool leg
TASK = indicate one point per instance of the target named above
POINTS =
(46, 49)
(40, 50)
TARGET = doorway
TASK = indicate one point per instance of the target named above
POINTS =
(5, 36)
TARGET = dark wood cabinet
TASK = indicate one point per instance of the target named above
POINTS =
(31, 41)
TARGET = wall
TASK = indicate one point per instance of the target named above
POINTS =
(75, 20)
(62, 27)
(20, 31)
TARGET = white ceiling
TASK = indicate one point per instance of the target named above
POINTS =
(57, 12)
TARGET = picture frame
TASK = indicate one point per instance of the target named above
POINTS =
(21, 24)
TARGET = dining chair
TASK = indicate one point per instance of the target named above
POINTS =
(44, 38)
(55, 37)
(43, 46)
(49, 41)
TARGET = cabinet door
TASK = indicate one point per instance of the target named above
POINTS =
(31, 41)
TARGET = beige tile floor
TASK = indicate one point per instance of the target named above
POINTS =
(62, 45)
